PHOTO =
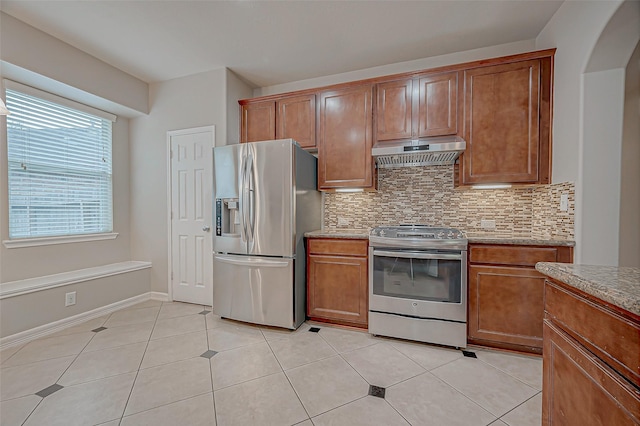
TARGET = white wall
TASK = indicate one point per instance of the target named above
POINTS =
(32, 57)
(236, 89)
(39, 59)
(629, 252)
(417, 65)
(594, 41)
(32, 310)
(574, 30)
(193, 101)
(600, 169)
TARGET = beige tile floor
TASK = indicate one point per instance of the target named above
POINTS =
(175, 364)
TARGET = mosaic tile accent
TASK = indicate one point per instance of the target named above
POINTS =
(426, 195)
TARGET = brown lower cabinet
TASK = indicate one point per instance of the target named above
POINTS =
(337, 283)
(591, 362)
(506, 302)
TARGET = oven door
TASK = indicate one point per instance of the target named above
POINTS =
(419, 283)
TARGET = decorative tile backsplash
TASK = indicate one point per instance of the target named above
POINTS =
(426, 195)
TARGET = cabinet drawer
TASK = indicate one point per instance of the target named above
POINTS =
(512, 255)
(607, 334)
(337, 246)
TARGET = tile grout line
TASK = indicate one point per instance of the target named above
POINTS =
(124, 410)
(287, 377)
(465, 395)
(509, 374)
(366, 381)
(65, 370)
(519, 405)
(213, 395)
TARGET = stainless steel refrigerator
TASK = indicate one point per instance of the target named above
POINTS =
(265, 199)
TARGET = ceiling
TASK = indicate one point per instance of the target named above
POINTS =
(273, 42)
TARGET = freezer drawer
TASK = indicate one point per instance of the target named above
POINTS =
(254, 289)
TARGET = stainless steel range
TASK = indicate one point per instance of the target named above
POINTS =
(418, 284)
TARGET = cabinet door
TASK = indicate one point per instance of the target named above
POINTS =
(394, 110)
(579, 389)
(296, 119)
(438, 105)
(345, 138)
(506, 305)
(502, 123)
(338, 289)
(258, 122)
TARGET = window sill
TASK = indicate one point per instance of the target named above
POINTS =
(46, 241)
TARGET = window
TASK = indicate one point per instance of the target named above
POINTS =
(59, 159)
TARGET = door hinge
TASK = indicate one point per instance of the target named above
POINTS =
(171, 154)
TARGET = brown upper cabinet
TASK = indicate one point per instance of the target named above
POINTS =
(296, 119)
(507, 119)
(345, 138)
(502, 107)
(418, 107)
(258, 121)
(289, 117)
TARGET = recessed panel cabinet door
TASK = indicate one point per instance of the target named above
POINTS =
(506, 305)
(338, 289)
(258, 122)
(297, 120)
(502, 126)
(394, 110)
(345, 138)
(438, 105)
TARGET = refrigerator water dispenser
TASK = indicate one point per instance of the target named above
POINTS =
(227, 217)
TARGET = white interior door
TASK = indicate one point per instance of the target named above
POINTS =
(191, 215)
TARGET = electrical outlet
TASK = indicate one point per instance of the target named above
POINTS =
(487, 224)
(343, 221)
(70, 299)
(564, 202)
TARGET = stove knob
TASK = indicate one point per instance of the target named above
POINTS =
(441, 235)
(382, 232)
(450, 234)
(459, 235)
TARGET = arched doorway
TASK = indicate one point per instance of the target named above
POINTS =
(608, 223)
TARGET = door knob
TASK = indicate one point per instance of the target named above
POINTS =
(206, 228)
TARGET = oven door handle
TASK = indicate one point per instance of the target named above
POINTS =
(417, 255)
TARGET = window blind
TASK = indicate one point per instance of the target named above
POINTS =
(60, 173)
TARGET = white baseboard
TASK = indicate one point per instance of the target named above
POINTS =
(53, 327)
(156, 295)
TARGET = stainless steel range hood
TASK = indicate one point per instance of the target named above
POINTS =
(424, 152)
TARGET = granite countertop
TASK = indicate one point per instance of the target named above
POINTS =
(619, 286)
(480, 238)
(358, 234)
(514, 239)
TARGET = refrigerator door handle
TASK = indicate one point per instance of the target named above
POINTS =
(254, 261)
(248, 165)
(242, 201)
(252, 197)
